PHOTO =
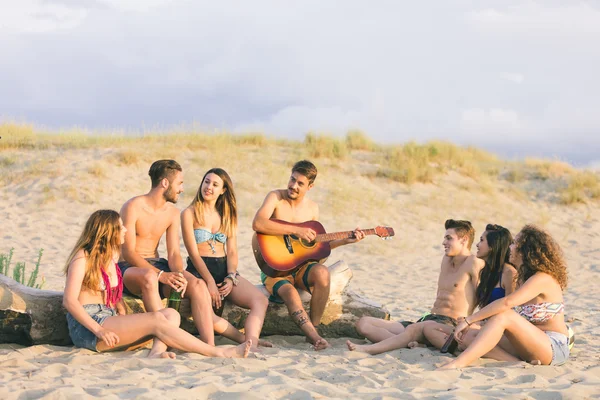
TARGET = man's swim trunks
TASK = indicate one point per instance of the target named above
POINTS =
(273, 284)
(442, 319)
(159, 263)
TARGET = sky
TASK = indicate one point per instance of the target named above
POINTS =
(518, 78)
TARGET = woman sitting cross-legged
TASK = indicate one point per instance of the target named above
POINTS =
(209, 227)
(532, 317)
(497, 279)
(93, 299)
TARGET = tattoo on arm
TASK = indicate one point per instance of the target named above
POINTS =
(300, 317)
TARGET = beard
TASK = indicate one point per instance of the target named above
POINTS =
(292, 194)
(171, 196)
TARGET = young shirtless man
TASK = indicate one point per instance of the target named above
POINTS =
(146, 218)
(455, 298)
(292, 205)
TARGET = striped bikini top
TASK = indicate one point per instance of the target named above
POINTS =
(539, 313)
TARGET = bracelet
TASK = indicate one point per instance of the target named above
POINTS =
(233, 278)
(158, 276)
(467, 321)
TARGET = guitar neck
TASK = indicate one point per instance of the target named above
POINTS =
(328, 237)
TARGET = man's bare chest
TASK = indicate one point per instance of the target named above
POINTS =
(152, 225)
(293, 215)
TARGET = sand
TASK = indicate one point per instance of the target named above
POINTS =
(48, 211)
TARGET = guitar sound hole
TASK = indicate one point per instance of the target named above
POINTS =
(307, 244)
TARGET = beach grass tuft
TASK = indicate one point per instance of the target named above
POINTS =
(19, 272)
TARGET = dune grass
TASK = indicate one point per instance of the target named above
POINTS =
(409, 163)
(19, 272)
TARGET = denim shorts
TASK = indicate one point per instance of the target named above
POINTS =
(560, 347)
(82, 336)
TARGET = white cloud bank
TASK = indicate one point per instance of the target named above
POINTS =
(515, 77)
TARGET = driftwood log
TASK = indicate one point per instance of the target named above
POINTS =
(31, 316)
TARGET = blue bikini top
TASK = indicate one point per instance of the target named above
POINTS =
(203, 235)
(497, 292)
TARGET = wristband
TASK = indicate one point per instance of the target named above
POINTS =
(233, 278)
(158, 276)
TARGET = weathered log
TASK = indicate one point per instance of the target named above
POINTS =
(32, 316)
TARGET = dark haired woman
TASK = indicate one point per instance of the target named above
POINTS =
(497, 279)
(209, 228)
(532, 317)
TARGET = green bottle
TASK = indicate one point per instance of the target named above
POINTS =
(174, 300)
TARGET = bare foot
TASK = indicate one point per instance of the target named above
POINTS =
(358, 347)
(264, 343)
(320, 344)
(240, 351)
(412, 345)
(164, 354)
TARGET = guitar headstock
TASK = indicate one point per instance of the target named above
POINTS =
(384, 232)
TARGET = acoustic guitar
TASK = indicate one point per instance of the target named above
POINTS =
(280, 255)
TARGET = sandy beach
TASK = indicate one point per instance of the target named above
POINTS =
(47, 194)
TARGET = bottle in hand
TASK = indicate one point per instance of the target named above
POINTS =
(174, 300)
(450, 345)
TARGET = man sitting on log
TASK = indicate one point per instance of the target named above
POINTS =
(292, 205)
(146, 218)
(457, 284)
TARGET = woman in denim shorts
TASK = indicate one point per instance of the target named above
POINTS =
(93, 299)
(531, 319)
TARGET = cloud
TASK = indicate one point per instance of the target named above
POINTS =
(399, 71)
(30, 16)
(513, 77)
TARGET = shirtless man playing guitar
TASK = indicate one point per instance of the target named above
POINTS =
(292, 205)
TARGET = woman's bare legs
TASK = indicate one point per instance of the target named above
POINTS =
(136, 327)
(247, 296)
(529, 342)
(377, 329)
(436, 334)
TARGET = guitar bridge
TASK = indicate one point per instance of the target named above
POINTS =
(288, 243)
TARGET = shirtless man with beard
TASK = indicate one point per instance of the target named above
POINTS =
(146, 218)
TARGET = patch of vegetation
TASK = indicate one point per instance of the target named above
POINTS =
(7, 161)
(581, 187)
(127, 157)
(357, 140)
(19, 273)
(323, 146)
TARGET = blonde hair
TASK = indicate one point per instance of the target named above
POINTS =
(226, 204)
(100, 241)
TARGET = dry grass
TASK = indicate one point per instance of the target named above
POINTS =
(323, 146)
(127, 157)
(581, 187)
(545, 169)
(262, 161)
(358, 140)
(97, 170)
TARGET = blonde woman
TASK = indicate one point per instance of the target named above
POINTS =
(209, 227)
(93, 299)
